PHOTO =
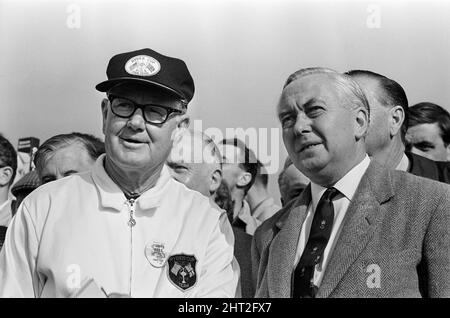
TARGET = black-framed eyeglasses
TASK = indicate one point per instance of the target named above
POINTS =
(153, 114)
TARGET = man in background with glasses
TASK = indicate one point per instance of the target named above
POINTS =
(125, 228)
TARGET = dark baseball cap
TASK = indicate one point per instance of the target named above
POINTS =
(149, 67)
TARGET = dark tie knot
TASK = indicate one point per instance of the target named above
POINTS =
(330, 194)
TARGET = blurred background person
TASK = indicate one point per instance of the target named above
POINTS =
(198, 169)
(385, 141)
(388, 105)
(24, 187)
(66, 154)
(291, 182)
(262, 205)
(223, 199)
(239, 170)
(428, 132)
(196, 162)
(8, 167)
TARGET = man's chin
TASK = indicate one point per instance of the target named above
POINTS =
(131, 162)
(310, 165)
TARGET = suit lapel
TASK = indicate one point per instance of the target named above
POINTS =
(358, 226)
(284, 246)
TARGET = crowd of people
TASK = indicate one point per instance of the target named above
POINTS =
(159, 210)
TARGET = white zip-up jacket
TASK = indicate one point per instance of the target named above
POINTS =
(81, 227)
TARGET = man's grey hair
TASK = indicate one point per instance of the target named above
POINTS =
(209, 150)
(93, 145)
(346, 84)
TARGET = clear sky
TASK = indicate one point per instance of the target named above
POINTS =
(53, 53)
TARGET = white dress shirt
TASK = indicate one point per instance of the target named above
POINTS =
(347, 187)
(403, 164)
(246, 216)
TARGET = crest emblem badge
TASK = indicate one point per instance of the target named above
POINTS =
(155, 254)
(181, 270)
(142, 65)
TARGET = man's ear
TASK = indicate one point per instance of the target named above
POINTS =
(361, 123)
(6, 174)
(183, 121)
(216, 179)
(105, 103)
(244, 179)
(396, 119)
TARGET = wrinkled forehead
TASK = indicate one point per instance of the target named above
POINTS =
(318, 86)
(424, 132)
(67, 158)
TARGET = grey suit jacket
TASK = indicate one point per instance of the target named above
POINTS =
(396, 224)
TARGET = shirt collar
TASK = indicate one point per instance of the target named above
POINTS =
(244, 213)
(404, 163)
(347, 185)
(111, 196)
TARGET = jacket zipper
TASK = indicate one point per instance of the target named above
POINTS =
(131, 223)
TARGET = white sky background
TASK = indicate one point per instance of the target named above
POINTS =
(239, 54)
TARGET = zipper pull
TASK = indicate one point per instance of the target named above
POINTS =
(131, 221)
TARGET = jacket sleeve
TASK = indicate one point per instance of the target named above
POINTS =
(437, 249)
(18, 256)
(220, 273)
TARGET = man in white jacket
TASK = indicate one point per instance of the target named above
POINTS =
(125, 227)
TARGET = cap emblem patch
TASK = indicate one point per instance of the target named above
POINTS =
(142, 65)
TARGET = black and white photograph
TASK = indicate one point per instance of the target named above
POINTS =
(230, 149)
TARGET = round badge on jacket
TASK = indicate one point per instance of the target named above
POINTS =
(142, 65)
(155, 254)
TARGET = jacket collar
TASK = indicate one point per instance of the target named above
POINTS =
(303, 199)
(111, 196)
(362, 217)
(358, 226)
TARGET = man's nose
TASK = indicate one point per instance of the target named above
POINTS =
(302, 124)
(137, 121)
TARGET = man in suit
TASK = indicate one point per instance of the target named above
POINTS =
(385, 141)
(358, 229)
